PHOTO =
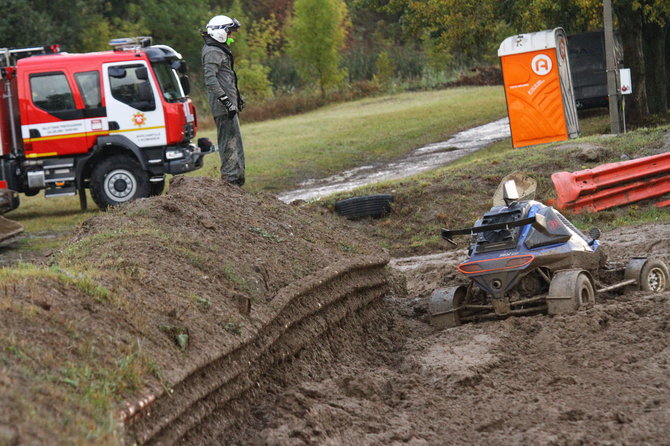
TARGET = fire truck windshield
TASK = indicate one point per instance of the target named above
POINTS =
(169, 82)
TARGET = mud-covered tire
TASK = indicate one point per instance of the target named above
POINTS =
(118, 179)
(585, 295)
(443, 306)
(375, 206)
(654, 276)
(156, 188)
(568, 291)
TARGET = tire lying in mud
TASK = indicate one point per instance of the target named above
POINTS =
(375, 206)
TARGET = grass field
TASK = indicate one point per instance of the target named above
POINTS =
(282, 152)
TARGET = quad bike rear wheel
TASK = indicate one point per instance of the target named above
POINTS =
(444, 306)
(568, 291)
(585, 295)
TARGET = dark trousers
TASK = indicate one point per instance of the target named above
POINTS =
(231, 150)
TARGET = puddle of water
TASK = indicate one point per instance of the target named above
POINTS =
(406, 264)
(421, 160)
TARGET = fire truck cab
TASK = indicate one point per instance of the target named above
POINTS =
(114, 121)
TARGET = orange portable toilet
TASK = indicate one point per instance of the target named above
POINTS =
(538, 88)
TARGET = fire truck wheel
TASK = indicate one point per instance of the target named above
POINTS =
(118, 179)
(156, 188)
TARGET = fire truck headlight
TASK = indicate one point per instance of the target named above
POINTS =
(173, 154)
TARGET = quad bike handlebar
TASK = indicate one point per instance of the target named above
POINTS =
(447, 234)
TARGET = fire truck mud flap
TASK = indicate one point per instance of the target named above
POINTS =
(9, 229)
(9, 200)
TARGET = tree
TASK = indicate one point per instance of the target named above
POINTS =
(316, 36)
(641, 24)
(667, 61)
(533, 15)
(177, 23)
(254, 43)
(384, 69)
(655, 26)
(468, 30)
(464, 31)
(266, 8)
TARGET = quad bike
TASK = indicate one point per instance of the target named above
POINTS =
(527, 258)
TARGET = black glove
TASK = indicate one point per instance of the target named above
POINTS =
(241, 104)
(232, 109)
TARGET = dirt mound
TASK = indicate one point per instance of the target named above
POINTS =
(150, 301)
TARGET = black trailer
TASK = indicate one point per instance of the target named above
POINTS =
(588, 69)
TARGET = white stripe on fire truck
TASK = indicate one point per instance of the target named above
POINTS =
(81, 135)
(137, 130)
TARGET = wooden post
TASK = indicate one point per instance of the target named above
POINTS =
(612, 84)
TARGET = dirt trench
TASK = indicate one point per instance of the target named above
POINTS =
(202, 399)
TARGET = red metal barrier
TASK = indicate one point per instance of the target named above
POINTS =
(613, 184)
(616, 196)
(571, 185)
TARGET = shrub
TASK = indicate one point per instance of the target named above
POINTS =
(253, 80)
(384, 69)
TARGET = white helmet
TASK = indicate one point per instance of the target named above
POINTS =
(219, 27)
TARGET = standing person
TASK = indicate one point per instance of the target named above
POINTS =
(224, 97)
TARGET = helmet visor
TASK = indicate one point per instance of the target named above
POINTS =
(228, 27)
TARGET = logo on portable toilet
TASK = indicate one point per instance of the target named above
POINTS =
(541, 64)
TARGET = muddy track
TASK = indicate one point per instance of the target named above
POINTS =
(334, 350)
(305, 312)
(318, 371)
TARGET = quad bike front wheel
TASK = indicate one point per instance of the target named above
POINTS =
(650, 274)
(568, 291)
(654, 276)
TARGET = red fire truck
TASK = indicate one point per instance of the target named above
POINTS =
(115, 122)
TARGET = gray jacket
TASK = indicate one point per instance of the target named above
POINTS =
(220, 77)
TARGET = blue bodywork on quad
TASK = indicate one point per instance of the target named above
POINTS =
(510, 242)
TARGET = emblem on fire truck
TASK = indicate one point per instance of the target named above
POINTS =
(139, 119)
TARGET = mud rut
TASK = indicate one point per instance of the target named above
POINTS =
(350, 360)
(209, 396)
